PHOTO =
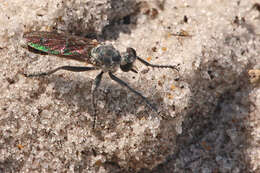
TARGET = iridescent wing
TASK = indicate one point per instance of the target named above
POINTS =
(72, 47)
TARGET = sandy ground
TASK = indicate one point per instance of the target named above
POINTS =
(209, 118)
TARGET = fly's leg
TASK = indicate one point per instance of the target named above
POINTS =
(68, 68)
(93, 92)
(175, 67)
(122, 83)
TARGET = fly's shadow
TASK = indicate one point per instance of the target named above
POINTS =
(115, 17)
(122, 19)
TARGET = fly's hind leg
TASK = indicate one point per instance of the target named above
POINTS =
(68, 68)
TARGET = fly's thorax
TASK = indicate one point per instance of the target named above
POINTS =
(106, 57)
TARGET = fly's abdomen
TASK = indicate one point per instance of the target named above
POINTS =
(71, 47)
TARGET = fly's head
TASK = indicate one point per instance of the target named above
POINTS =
(128, 59)
(107, 58)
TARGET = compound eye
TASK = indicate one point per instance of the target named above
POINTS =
(131, 51)
(129, 56)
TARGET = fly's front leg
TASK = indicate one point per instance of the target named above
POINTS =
(175, 67)
(93, 92)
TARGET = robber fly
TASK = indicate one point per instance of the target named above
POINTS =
(102, 57)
